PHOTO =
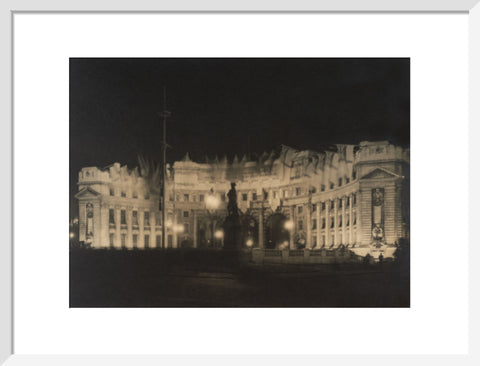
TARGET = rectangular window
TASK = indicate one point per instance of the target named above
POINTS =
(146, 240)
(340, 203)
(123, 217)
(354, 218)
(298, 170)
(300, 224)
(147, 196)
(124, 194)
(332, 222)
(186, 197)
(354, 199)
(112, 192)
(340, 239)
(135, 240)
(340, 221)
(323, 206)
(111, 216)
(300, 209)
(135, 218)
(124, 240)
(244, 196)
(347, 180)
(323, 223)
(254, 196)
(202, 198)
(348, 220)
(332, 185)
(332, 205)
(340, 181)
(298, 191)
(185, 213)
(314, 207)
(354, 175)
(112, 240)
(170, 197)
(135, 195)
(314, 241)
(158, 241)
(322, 188)
(348, 201)
(314, 225)
(146, 218)
(323, 239)
(333, 240)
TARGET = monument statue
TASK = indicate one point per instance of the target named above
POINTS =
(232, 224)
(232, 201)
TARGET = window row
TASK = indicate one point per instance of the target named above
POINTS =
(123, 193)
(331, 222)
(135, 241)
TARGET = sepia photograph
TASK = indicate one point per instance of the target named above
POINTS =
(239, 182)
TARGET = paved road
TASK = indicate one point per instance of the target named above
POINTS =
(206, 289)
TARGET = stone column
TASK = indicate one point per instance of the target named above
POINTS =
(309, 243)
(129, 243)
(141, 223)
(335, 217)
(359, 219)
(350, 215)
(327, 223)
(153, 228)
(195, 229)
(260, 228)
(117, 240)
(319, 225)
(344, 222)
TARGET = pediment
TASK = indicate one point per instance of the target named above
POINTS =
(87, 192)
(381, 173)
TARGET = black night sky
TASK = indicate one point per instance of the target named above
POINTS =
(230, 106)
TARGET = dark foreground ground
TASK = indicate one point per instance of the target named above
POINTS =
(217, 279)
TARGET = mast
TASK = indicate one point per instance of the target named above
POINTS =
(164, 114)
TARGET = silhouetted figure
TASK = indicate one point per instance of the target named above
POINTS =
(366, 259)
(380, 258)
(232, 201)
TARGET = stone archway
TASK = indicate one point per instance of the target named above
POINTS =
(249, 230)
(277, 236)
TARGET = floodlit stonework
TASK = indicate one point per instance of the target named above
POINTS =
(355, 196)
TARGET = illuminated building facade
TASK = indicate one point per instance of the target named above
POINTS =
(355, 196)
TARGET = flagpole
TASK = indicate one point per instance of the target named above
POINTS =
(164, 114)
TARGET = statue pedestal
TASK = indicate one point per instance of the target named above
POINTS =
(233, 233)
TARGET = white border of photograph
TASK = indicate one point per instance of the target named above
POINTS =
(6, 194)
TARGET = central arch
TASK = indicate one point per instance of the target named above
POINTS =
(276, 234)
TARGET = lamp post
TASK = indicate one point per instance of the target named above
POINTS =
(289, 225)
(212, 202)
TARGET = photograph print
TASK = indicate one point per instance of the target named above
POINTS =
(239, 182)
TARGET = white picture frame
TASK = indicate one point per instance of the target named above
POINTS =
(7, 127)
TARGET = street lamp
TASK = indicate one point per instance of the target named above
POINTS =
(212, 202)
(289, 225)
